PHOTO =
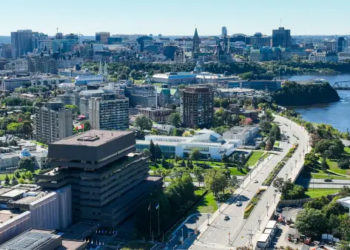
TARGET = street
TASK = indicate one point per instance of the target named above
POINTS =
(238, 231)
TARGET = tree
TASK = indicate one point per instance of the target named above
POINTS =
(157, 152)
(215, 180)
(74, 108)
(27, 163)
(17, 174)
(275, 132)
(27, 128)
(28, 175)
(330, 148)
(311, 222)
(224, 158)
(152, 150)
(269, 145)
(195, 154)
(317, 203)
(278, 183)
(343, 163)
(333, 208)
(7, 180)
(174, 119)
(265, 126)
(199, 174)
(14, 181)
(143, 122)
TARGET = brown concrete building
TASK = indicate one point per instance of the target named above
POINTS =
(108, 178)
(158, 115)
(197, 106)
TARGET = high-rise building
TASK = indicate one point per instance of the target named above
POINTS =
(281, 37)
(196, 106)
(342, 44)
(42, 64)
(22, 42)
(102, 37)
(109, 111)
(52, 122)
(196, 43)
(108, 178)
(223, 31)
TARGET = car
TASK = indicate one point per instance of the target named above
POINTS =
(256, 181)
(328, 180)
(239, 203)
(226, 217)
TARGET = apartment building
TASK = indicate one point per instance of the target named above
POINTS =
(108, 178)
(52, 122)
(196, 106)
(110, 112)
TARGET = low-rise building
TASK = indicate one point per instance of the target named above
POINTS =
(35, 239)
(27, 206)
(175, 78)
(270, 85)
(211, 145)
(141, 95)
(158, 115)
(244, 134)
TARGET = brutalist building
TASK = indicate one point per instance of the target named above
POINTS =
(108, 178)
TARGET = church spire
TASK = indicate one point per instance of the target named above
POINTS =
(196, 33)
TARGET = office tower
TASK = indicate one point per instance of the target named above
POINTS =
(102, 37)
(196, 106)
(342, 44)
(109, 112)
(224, 32)
(43, 64)
(108, 178)
(52, 122)
(281, 37)
(22, 42)
(196, 43)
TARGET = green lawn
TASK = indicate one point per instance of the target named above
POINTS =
(347, 150)
(277, 144)
(315, 193)
(326, 176)
(254, 157)
(206, 205)
(333, 166)
(234, 171)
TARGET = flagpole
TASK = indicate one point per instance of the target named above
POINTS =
(150, 223)
(158, 221)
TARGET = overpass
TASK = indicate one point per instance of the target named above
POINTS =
(341, 85)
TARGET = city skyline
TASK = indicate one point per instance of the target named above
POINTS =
(156, 18)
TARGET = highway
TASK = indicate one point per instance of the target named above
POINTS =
(237, 231)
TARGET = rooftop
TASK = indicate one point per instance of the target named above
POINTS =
(93, 138)
(6, 215)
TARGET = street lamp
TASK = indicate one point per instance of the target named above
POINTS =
(182, 229)
(286, 176)
(208, 219)
(274, 197)
(259, 221)
(267, 209)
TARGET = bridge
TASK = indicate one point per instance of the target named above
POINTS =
(341, 85)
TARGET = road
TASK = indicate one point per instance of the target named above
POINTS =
(237, 231)
(321, 183)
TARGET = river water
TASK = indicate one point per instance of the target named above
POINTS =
(336, 114)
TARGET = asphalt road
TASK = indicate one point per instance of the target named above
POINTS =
(237, 232)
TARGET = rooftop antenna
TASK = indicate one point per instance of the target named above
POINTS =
(57, 30)
(280, 22)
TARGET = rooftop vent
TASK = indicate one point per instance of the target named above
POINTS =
(89, 138)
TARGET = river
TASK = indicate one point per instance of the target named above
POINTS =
(336, 114)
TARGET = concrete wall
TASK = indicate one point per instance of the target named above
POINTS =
(15, 226)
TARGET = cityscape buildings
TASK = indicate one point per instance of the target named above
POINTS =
(22, 42)
(108, 178)
(281, 38)
(52, 122)
(102, 37)
(109, 111)
(196, 106)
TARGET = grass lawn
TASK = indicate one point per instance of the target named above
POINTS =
(326, 176)
(254, 157)
(234, 171)
(206, 205)
(347, 150)
(277, 144)
(137, 246)
(315, 193)
(333, 166)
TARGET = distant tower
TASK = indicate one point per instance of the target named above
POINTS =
(196, 43)
(100, 69)
(224, 31)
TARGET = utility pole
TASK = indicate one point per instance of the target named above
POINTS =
(267, 209)
(208, 215)
(274, 197)
(229, 238)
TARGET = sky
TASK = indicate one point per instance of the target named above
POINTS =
(175, 17)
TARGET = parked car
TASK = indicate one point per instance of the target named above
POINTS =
(239, 203)
(226, 217)
(328, 180)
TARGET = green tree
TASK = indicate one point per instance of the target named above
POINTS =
(152, 150)
(215, 180)
(28, 175)
(144, 122)
(7, 180)
(199, 174)
(157, 152)
(265, 126)
(311, 222)
(14, 128)
(27, 128)
(174, 119)
(317, 203)
(27, 163)
(74, 108)
(195, 154)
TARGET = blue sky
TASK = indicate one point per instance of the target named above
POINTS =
(175, 17)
